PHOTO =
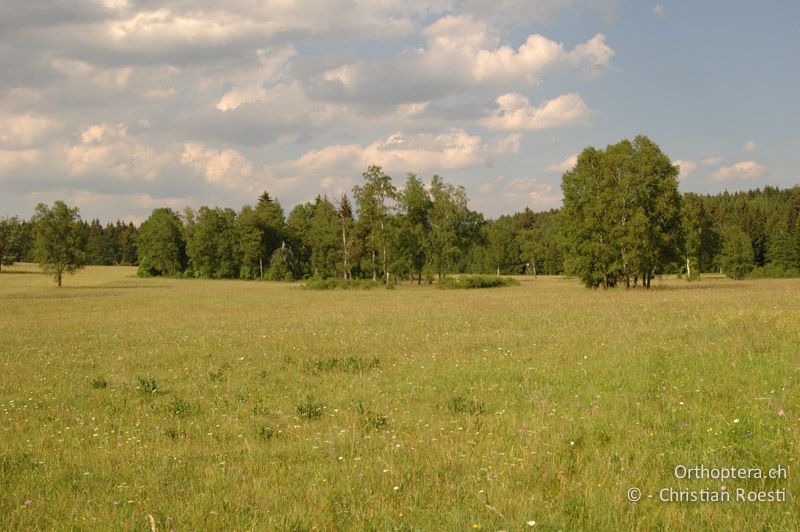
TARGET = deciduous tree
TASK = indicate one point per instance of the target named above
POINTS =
(60, 243)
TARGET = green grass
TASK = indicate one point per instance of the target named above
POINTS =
(229, 405)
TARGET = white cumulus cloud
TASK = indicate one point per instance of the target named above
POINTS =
(228, 168)
(564, 166)
(711, 161)
(739, 171)
(514, 112)
(687, 167)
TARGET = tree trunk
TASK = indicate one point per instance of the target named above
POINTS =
(345, 254)
(498, 271)
(385, 265)
(688, 269)
(261, 268)
(58, 279)
(374, 271)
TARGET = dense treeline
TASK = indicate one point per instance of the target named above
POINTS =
(421, 232)
(112, 244)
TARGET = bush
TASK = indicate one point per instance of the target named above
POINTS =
(180, 408)
(347, 365)
(147, 385)
(773, 271)
(477, 281)
(318, 283)
(461, 405)
(310, 408)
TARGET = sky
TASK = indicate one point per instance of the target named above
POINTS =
(122, 106)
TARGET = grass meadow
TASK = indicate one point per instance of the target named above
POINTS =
(141, 404)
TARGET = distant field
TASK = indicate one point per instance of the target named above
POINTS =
(416, 408)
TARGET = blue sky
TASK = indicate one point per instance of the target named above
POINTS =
(122, 106)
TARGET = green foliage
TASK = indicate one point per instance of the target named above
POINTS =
(737, 253)
(260, 232)
(501, 246)
(179, 408)
(461, 405)
(773, 271)
(374, 211)
(370, 419)
(621, 217)
(10, 233)
(317, 283)
(282, 264)
(212, 246)
(161, 244)
(265, 432)
(310, 408)
(147, 385)
(450, 225)
(351, 364)
(99, 383)
(60, 244)
(476, 281)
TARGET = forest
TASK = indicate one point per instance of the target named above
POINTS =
(415, 232)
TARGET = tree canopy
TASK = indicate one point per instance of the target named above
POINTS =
(621, 219)
(60, 243)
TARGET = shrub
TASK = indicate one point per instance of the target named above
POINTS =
(99, 383)
(348, 365)
(461, 405)
(147, 385)
(317, 283)
(265, 432)
(477, 281)
(180, 408)
(310, 408)
(370, 419)
(773, 271)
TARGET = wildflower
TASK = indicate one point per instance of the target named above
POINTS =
(530, 523)
(736, 420)
(28, 502)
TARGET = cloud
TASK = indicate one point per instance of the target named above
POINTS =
(201, 101)
(514, 112)
(507, 144)
(26, 130)
(520, 12)
(516, 194)
(461, 53)
(422, 152)
(106, 149)
(687, 167)
(564, 166)
(711, 161)
(659, 10)
(749, 146)
(251, 86)
(227, 168)
(11, 160)
(739, 171)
